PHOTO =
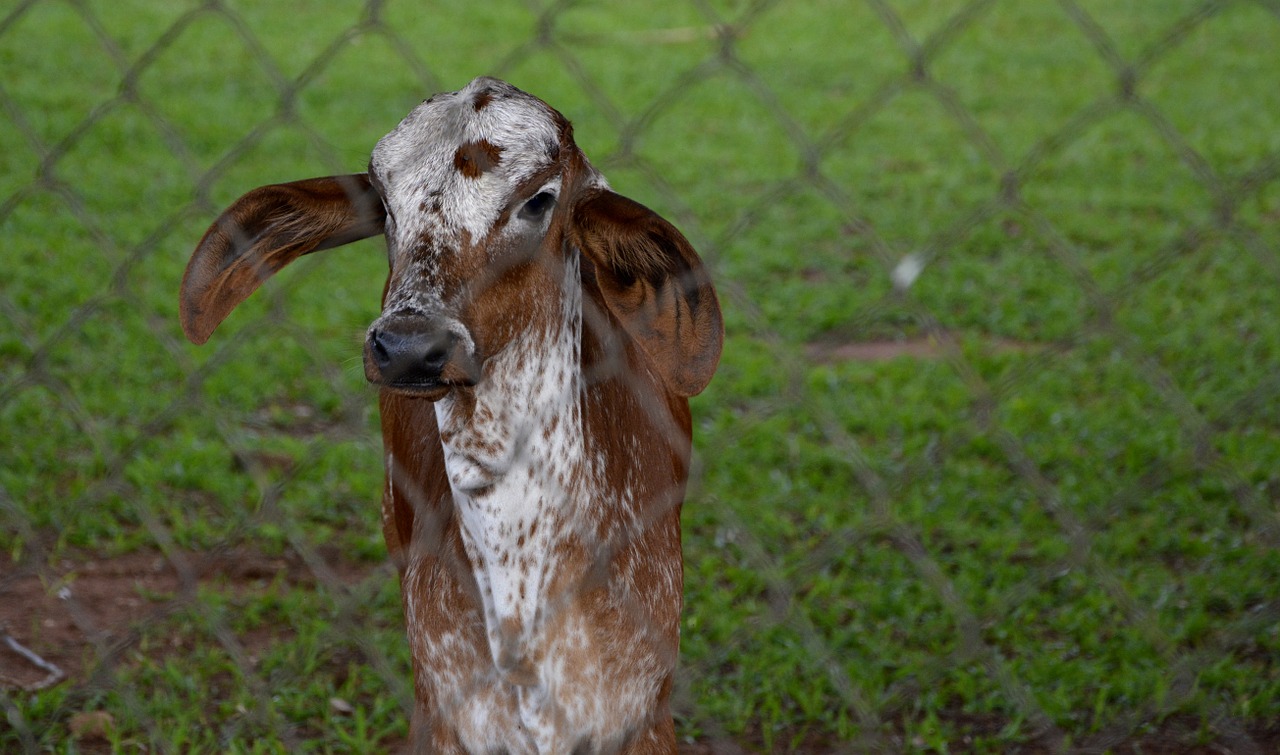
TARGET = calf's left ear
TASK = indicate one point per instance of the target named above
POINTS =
(265, 230)
(654, 283)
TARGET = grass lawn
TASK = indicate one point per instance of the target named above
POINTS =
(992, 462)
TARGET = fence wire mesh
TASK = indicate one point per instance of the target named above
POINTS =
(990, 464)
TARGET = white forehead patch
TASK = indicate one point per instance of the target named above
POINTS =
(422, 163)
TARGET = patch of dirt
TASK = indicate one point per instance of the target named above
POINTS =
(84, 607)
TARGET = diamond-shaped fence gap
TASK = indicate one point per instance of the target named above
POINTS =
(1196, 430)
(105, 484)
(1071, 617)
(997, 289)
(48, 299)
(1148, 201)
(411, 53)
(316, 486)
(210, 119)
(65, 454)
(128, 88)
(751, 573)
(727, 123)
(57, 92)
(1236, 118)
(104, 652)
(858, 638)
(222, 699)
(119, 334)
(163, 471)
(924, 476)
(1105, 400)
(156, 178)
(1041, 450)
(816, 91)
(1035, 83)
(215, 624)
(796, 261)
(898, 178)
(776, 490)
(1158, 314)
(264, 341)
(276, 619)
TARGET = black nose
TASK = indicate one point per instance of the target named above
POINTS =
(411, 357)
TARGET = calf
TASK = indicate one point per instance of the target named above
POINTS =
(538, 340)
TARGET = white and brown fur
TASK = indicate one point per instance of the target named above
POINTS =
(536, 465)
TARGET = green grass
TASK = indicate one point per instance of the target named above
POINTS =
(1060, 526)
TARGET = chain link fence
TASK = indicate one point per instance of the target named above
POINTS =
(990, 464)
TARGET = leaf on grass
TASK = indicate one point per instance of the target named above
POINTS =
(341, 707)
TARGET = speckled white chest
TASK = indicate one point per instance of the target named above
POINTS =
(516, 464)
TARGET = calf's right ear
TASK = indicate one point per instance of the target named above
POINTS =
(265, 230)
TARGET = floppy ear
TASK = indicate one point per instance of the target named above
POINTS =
(654, 283)
(265, 230)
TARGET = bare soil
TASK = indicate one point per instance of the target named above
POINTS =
(84, 606)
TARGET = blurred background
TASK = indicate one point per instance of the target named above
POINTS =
(991, 464)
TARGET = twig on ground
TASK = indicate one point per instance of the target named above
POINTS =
(53, 673)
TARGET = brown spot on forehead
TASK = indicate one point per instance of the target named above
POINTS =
(482, 100)
(476, 158)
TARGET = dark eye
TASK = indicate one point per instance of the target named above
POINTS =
(536, 207)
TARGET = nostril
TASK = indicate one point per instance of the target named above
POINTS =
(379, 347)
(437, 349)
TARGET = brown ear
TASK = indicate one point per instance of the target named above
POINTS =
(654, 284)
(265, 230)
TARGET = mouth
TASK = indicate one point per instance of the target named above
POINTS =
(426, 391)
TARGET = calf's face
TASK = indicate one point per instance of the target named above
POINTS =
(476, 186)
